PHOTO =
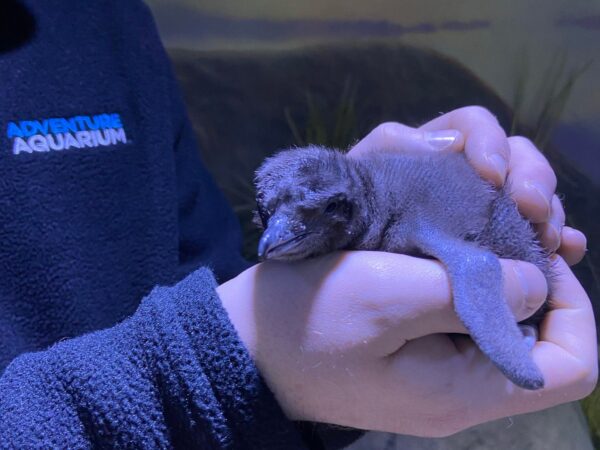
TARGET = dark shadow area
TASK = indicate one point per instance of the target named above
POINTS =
(17, 25)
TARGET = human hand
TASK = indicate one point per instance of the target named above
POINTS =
(513, 160)
(354, 338)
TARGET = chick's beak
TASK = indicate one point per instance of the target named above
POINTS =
(279, 238)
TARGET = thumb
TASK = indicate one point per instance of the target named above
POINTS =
(393, 136)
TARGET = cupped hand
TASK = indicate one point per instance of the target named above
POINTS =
(360, 339)
(497, 158)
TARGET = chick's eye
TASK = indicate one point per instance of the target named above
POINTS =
(331, 207)
(262, 213)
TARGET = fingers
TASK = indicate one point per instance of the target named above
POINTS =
(532, 184)
(392, 136)
(486, 145)
(489, 395)
(525, 288)
(567, 353)
(569, 301)
(550, 231)
(411, 297)
(573, 245)
(531, 180)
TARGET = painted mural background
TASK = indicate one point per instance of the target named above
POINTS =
(501, 42)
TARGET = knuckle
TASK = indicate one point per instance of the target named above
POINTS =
(479, 112)
(552, 177)
(373, 310)
(588, 380)
(387, 131)
(525, 308)
(557, 204)
(547, 177)
(531, 306)
(545, 173)
(520, 142)
(533, 288)
(536, 162)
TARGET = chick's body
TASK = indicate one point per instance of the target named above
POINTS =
(406, 190)
(313, 200)
(444, 192)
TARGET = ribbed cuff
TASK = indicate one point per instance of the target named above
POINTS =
(210, 373)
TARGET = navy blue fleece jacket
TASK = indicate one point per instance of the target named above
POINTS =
(102, 197)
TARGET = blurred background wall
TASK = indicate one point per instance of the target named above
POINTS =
(515, 46)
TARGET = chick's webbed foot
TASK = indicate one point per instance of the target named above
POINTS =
(477, 287)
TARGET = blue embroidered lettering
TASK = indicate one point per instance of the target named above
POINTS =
(20, 145)
(70, 141)
(70, 124)
(38, 143)
(103, 137)
(28, 128)
(84, 138)
(115, 121)
(56, 142)
(117, 136)
(57, 126)
(59, 133)
(13, 130)
(92, 123)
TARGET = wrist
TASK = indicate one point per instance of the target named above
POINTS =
(236, 298)
(260, 328)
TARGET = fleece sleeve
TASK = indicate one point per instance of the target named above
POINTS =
(174, 375)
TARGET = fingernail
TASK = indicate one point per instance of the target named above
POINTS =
(554, 232)
(498, 163)
(522, 282)
(553, 237)
(533, 284)
(539, 192)
(442, 139)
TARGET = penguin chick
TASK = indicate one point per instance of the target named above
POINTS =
(313, 200)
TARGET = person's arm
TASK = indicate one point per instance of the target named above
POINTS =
(174, 375)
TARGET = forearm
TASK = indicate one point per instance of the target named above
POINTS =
(174, 374)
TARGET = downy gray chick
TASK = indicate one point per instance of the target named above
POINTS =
(312, 201)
